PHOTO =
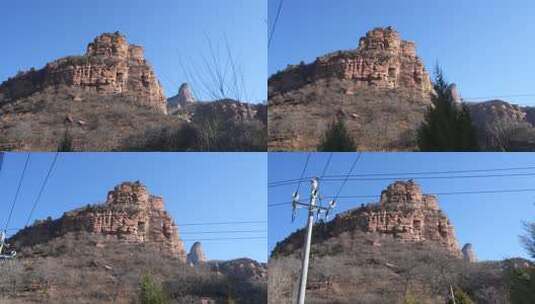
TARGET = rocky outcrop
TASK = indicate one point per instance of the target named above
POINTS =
(382, 60)
(182, 99)
(469, 254)
(381, 90)
(109, 66)
(130, 214)
(196, 255)
(241, 269)
(403, 212)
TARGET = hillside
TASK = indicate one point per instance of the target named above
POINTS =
(382, 91)
(107, 99)
(108, 249)
(400, 250)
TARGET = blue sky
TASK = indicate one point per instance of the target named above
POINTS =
(491, 222)
(36, 32)
(482, 45)
(196, 187)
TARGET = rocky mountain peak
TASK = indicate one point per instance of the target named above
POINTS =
(109, 66)
(129, 214)
(469, 253)
(403, 212)
(183, 98)
(382, 60)
(196, 255)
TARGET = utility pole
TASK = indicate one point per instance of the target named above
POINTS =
(312, 208)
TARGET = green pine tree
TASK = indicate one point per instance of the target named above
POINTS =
(151, 292)
(66, 145)
(337, 138)
(447, 126)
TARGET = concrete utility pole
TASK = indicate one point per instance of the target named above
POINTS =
(312, 208)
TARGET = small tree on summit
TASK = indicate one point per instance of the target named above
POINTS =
(447, 125)
(337, 139)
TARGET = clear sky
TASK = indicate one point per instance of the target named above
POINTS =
(491, 222)
(36, 32)
(196, 187)
(482, 45)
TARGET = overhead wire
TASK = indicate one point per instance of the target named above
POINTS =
(276, 20)
(357, 158)
(42, 189)
(431, 193)
(17, 192)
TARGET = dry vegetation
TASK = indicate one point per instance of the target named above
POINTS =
(377, 119)
(96, 123)
(83, 268)
(369, 268)
(42, 121)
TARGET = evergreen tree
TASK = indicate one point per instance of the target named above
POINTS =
(65, 144)
(447, 125)
(151, 292)
(337, 138)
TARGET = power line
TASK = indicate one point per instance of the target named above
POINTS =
(18, 190)
(430, 177)
(225, 239)
(43, 185)
(279, 10)
(222, 223)
(326, 165)
(222, 231)
(348, 173)
(293, 181)
(303, 173)
(503, 96)
(431, 193)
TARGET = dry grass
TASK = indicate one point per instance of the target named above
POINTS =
(370, 268)
(86, 268)
(378, 120)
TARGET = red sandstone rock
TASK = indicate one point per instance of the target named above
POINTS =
(110, 66)
(381, 60)
(129, 214)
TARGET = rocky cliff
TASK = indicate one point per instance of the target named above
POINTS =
(130, 214)
(109, 66)
(403, 212)
(381, 60)
(381, 89)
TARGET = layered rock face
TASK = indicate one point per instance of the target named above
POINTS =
(110, 66)
(382, 60)
(182, 99)
(380, 89)
(403, 212)
(196, 255)
(407, 214)
(130, 214)
(242, 269)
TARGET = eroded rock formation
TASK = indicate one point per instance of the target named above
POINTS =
(242, 269)
(469, 253)
(182, 99)
(130, 214)
(380, 89)
(109, 66)
(403, 212)
(382, 60)
(196, 255)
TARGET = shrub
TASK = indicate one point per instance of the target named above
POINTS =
(337, 138)
(151, 291)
